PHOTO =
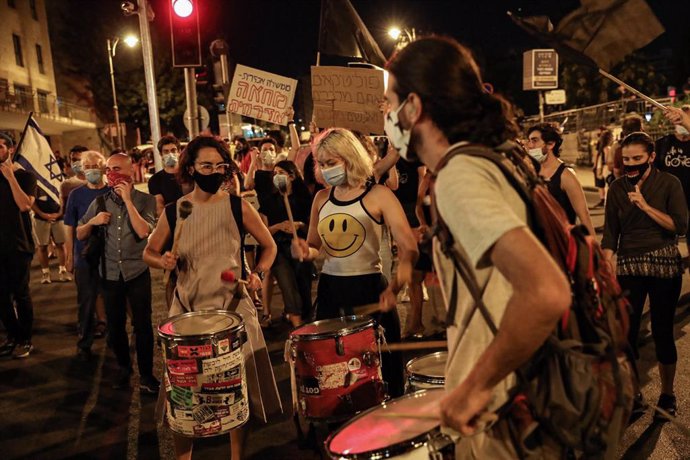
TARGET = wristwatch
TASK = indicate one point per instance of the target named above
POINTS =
(261, 275)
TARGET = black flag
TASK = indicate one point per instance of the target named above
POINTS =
(343, 33)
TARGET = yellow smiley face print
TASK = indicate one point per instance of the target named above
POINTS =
(342, 234)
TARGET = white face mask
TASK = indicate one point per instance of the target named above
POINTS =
(268, 157)
(681, 130)
(537, 154)
(399, 137)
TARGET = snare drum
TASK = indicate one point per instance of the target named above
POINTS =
(426, 371)
(373, 435)
(205, 382)
(337, 367)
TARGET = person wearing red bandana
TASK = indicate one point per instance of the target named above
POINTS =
(128, 216)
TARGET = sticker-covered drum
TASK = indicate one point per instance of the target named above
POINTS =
(337, 367)
(205, 382)
(428, 371)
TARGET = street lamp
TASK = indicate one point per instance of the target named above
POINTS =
(402, 37)
(131, 41)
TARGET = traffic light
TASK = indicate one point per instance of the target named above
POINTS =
(184, 33)
(201, 76)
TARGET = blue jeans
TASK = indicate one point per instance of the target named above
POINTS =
(88, 287)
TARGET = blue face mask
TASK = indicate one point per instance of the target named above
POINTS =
(76, 167)
(335, 175)
(94, 176)
(170, 160)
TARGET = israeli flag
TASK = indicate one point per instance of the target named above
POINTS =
(34, 154)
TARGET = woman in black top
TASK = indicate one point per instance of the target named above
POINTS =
(645, 213)
(293, 276)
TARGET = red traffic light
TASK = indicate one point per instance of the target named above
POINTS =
(183, 8)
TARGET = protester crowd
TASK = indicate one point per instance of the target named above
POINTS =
(359, 216)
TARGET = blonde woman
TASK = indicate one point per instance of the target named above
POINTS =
(345, 225)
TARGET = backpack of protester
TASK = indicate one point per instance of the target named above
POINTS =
(578, 388)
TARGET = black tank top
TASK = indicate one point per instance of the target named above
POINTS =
(554, 186)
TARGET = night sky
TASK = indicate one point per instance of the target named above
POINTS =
(281, 36)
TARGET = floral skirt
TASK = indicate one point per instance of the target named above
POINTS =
(659, 263)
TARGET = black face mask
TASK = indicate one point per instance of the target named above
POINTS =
(208, 183)
(640, 169)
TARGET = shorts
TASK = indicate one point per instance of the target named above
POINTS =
(599, 182)
(44, 229)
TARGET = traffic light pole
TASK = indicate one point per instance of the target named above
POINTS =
(150, 77)
(192, 107)
(225, 80)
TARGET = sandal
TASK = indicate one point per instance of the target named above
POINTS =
(265, 321)
(100, 330)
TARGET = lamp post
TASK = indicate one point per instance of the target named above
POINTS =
(130, 41)
(402, 37)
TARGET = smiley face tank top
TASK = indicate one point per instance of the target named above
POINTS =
(350, 237)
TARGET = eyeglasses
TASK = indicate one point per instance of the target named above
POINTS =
(210, 168)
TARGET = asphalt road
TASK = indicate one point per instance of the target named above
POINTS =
(54, 406)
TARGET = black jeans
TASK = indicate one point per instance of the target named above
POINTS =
(88, 287)
(15, 272)
(138, 292)
(663, 299)
(294, 279)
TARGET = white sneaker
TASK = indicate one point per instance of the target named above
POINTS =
(64, 275)
(45, 278)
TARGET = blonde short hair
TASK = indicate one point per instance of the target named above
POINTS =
(92, 155)
(341, 143)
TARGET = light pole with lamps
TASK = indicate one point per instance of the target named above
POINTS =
(402, 37)
(130, 41)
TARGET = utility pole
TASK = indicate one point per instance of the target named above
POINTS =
(192, 112)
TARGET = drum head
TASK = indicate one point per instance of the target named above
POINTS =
(331, 327)
(373, 433)
(200, 323)
(432, 365)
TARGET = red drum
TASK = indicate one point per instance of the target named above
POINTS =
(337, 367)
(373, 435)
(205, 382)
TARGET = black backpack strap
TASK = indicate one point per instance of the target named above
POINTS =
(236, 207)
(171, 216)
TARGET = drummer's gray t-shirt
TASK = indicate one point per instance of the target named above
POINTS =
(479, 206)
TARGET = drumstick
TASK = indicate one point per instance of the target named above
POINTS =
(282, 186)
(185, 211)
(229, 277)
(416, 345)
(367, 309)
(409, 415)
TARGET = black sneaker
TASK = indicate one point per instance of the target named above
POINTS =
(121, 380)
(667, 403)
(149, 386)
(22, 351)
(84, 354)
(7, 347)
(638, 409)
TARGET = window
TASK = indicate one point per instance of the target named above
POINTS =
(39, 57)
(4, 91)
(18, 58)
(34, 13)
(23, 97)
(42, 101)
(11, 4)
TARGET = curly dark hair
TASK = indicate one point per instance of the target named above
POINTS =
(549, 133)
(447, 79)
(191, 152)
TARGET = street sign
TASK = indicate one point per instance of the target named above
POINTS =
(555, 97)
(539, 69)
(204, 119)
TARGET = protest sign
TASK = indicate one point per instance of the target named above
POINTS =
(348, 98)
(262, 95)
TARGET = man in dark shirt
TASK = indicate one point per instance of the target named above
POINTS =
(673, 156)
(17, 195)
(129, 218)
(163, 185)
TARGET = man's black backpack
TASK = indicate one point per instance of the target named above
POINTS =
(94, 249)
(578, 388)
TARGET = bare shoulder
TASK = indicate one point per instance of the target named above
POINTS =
(321, 197)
